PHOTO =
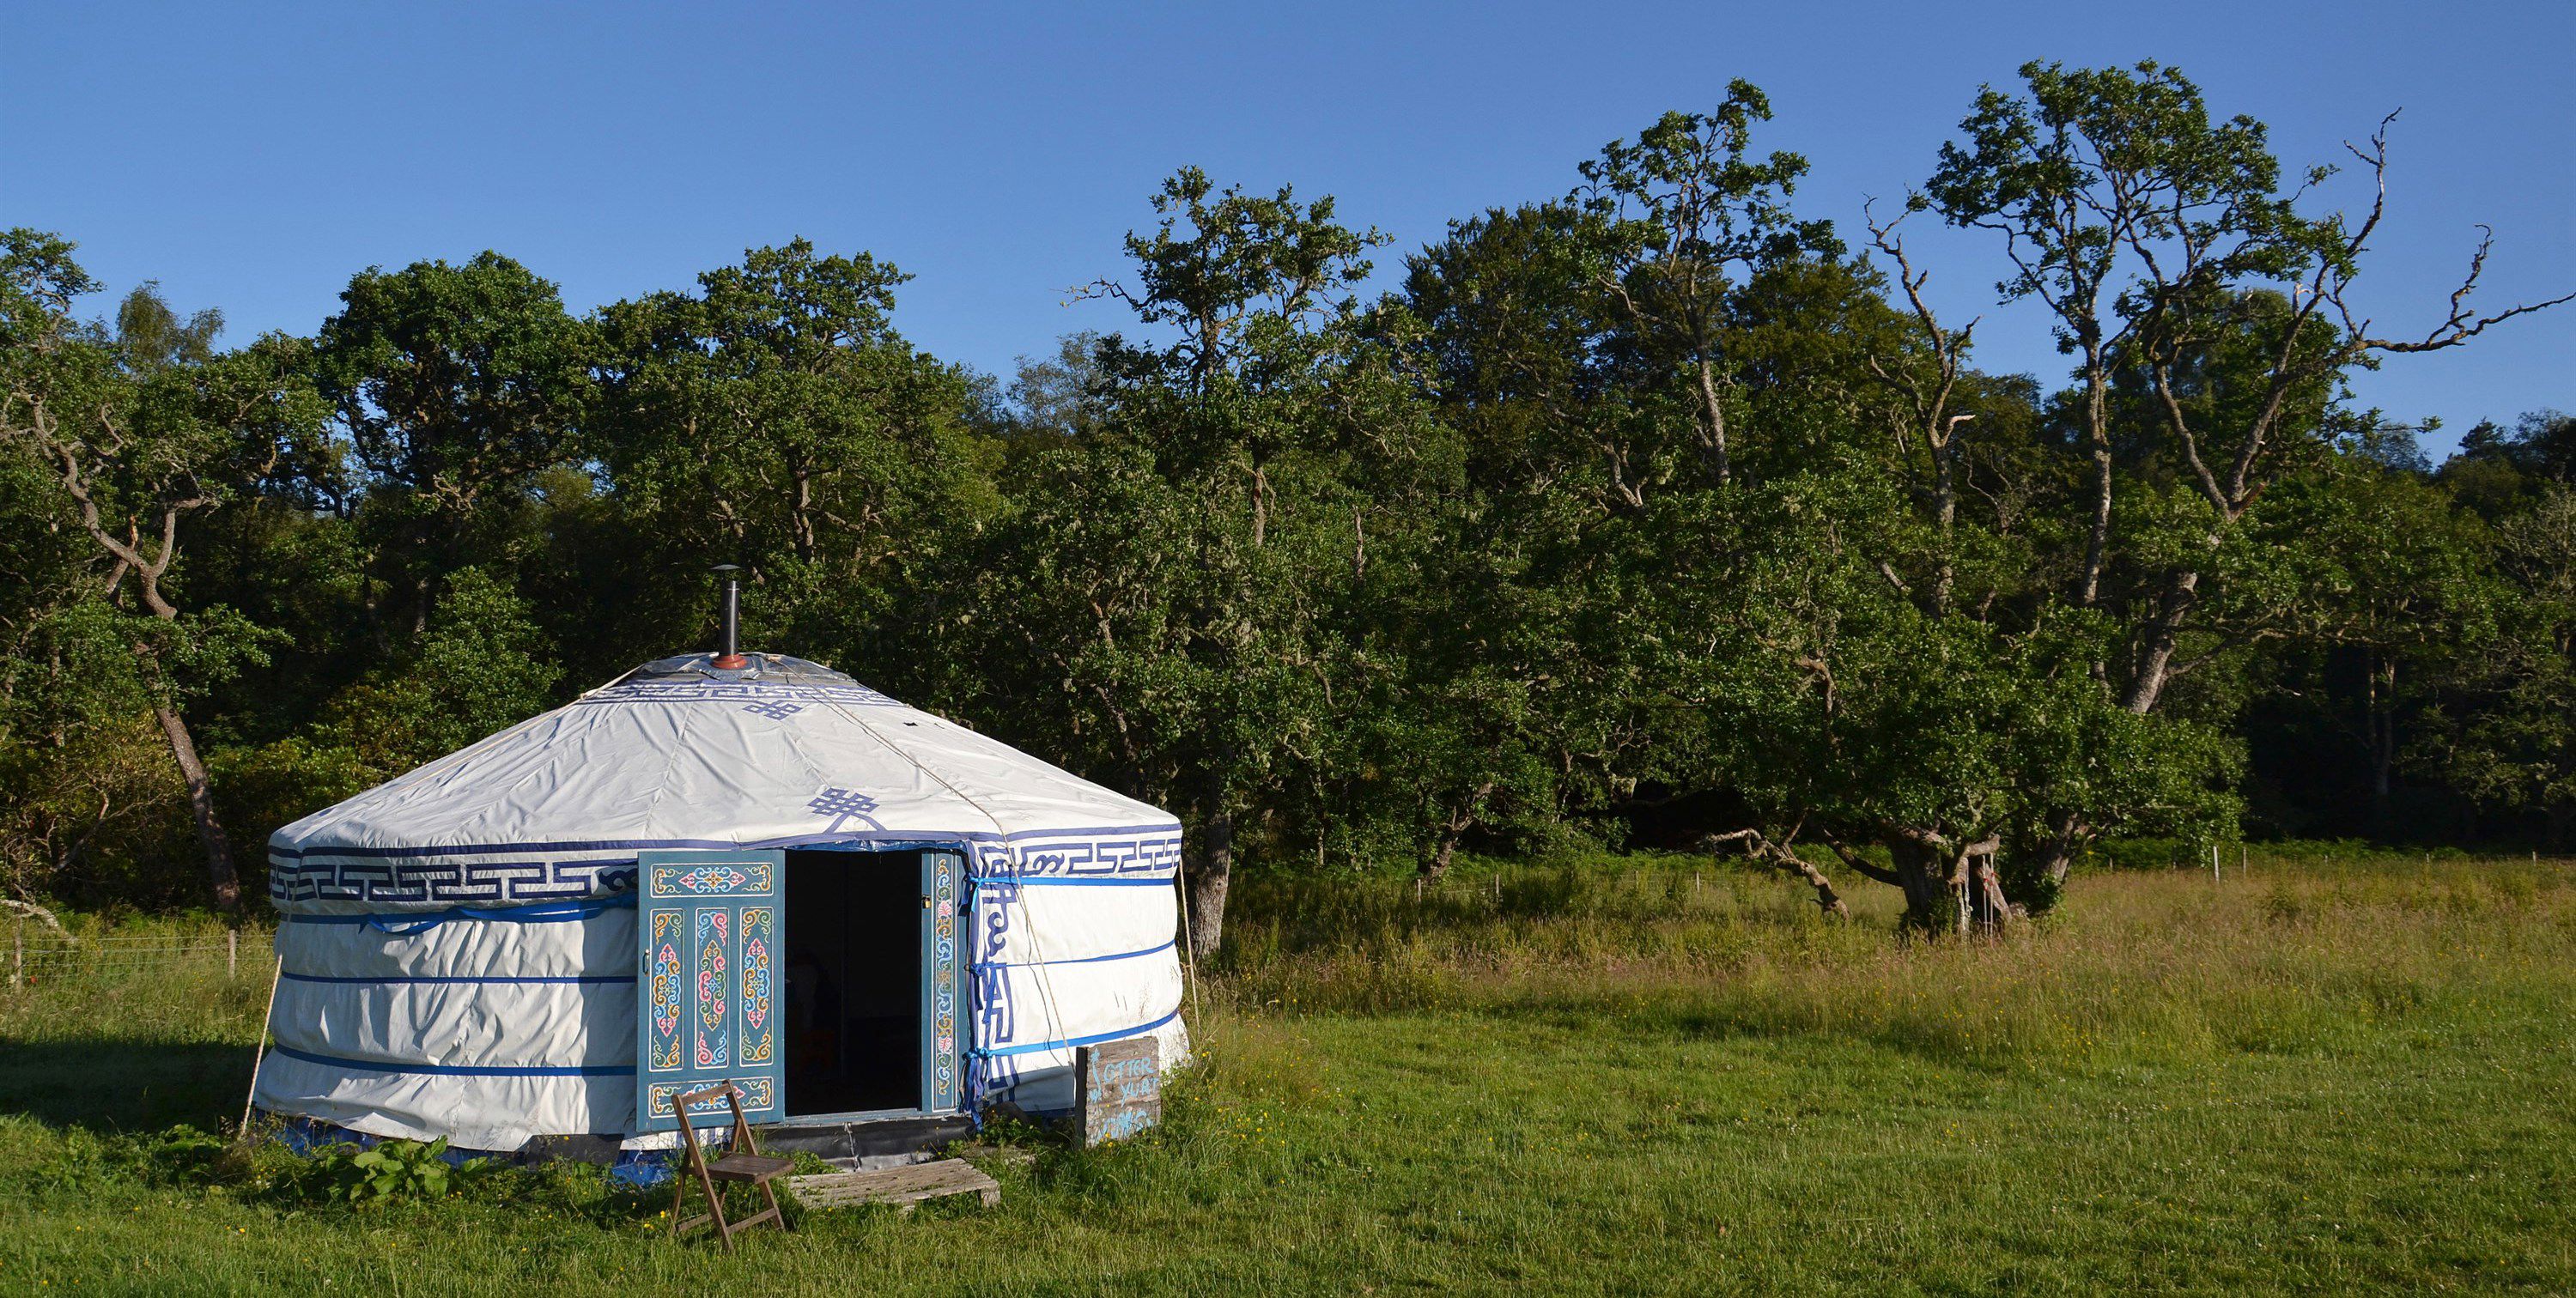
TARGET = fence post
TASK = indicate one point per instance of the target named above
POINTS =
(18, 956)
(232, 954)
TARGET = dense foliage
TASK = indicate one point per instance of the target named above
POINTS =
(1664, 512)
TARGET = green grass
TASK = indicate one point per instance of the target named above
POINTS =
(2316, 1077)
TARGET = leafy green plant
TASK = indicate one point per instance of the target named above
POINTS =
(395, 1170)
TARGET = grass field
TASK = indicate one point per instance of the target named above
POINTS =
(1624, 1076)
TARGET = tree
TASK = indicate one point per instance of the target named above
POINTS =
(2168, 251)
(1173, 593)
(776, 419)
(1685, 215)
(2387, 582)
(482, 667)
(2507, 736)
(456, 386)
(2500, 471)
(143, 432)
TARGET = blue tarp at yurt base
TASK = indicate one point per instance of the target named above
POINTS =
(459, 946)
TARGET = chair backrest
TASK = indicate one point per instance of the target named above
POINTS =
(681, 1104)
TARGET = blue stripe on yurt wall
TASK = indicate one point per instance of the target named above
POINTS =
(453, 1070)
(1077, 959)
(577, 979)
(410, 923)
(1070, 1042)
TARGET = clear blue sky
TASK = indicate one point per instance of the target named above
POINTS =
(253, 157)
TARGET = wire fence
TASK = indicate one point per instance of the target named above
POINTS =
(38, 957)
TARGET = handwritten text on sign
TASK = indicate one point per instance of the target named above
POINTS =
(1120, 1087)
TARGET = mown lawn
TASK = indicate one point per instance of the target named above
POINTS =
(1613, 1078)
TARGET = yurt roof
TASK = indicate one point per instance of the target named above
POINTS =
(680, 753)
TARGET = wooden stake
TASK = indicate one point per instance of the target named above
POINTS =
(1189, 939)
(18, 956)
(2213, 863)
(232, 954)
(261, 1055)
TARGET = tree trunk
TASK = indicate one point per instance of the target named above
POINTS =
(1438, 865)
(1457, 825)
(2381, 700)
(201, 801)
(1930, 906)
(2097, 540)
(1210, 876)
(1714, 416)
(2057, 852)
(2164, 632)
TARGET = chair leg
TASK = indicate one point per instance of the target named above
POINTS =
(777, 1218)
(715, 1206)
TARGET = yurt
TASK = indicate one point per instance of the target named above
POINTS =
(718, 866)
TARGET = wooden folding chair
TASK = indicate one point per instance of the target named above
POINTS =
(743, 1162)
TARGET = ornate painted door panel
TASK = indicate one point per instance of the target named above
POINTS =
(943, 922)
(710, 982)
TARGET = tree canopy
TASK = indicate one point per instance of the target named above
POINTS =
(1664, 512)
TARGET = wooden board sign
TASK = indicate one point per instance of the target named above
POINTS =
(1118, 1089)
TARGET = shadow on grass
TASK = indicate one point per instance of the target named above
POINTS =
(125, 1083)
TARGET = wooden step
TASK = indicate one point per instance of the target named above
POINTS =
(903, 1187)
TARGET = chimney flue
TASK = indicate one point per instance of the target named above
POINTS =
(731, 659)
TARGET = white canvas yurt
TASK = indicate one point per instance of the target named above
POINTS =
(719, 866)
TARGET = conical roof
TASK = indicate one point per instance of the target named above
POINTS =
(680, 753)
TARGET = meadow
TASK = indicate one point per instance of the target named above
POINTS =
(1613, 1075)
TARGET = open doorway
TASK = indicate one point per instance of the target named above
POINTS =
(854, 972)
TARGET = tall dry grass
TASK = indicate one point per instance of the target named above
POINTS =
(2290, 955)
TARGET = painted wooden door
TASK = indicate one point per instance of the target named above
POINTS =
(943, 924)
(711, 990)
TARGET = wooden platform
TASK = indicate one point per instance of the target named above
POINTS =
(864, 1139)
(903, 1187)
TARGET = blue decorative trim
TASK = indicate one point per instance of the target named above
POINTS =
(1079, 959)
(703, 691)
(873, 843)
(298, 852)
(1046, 881)
(414, 875)
(842, 806)
(1068, 1043)
(1085, 853)
(502, 883)
(455, 1070)
(566, 980)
